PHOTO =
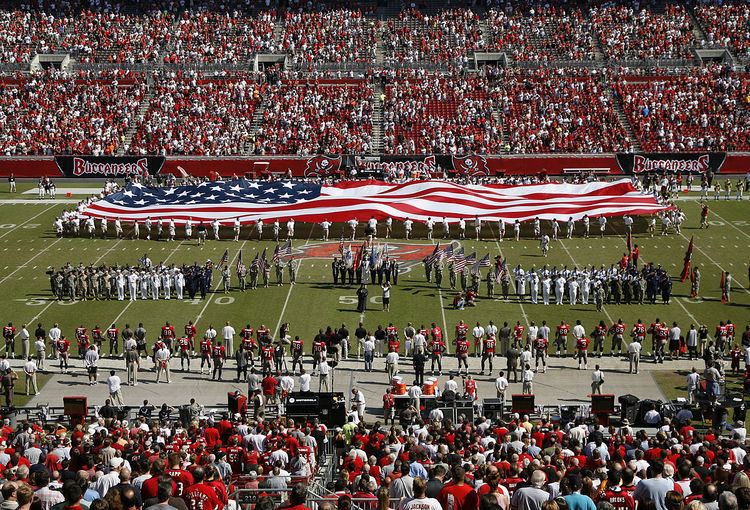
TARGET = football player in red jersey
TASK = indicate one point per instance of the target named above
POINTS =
(114, 335)
(436, 332)
(266, 357)
(462, 353)
(721, 335)
(298, 347)
(561, 338)
(63, 352)
(247, 343)
(488, 352)
(541, 345)
(190, 332)
(653, 330)
(83, 344)
(618, 334)
(597, 338)
(168, 334)
(219, 354)
(582, 346)
(184, 343)
(97, 337)
(235, 455)
(518, 330)
(639, 332)
(9, 333)
(437, 348)
(206, 350)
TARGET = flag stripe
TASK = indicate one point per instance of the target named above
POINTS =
(418, 200)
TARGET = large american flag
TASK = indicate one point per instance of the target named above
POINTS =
(418, 200)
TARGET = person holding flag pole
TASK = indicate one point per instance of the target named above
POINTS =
(241, 272)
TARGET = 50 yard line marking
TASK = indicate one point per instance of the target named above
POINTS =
(27, 221)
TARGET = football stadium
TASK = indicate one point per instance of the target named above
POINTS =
(449, 255)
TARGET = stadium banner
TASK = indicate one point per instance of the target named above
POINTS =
(696, 163)
(108, 166)
(298, 166)
(422, 166)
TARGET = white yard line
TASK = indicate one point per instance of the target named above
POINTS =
(45, 201)
(674, 298)
(26, 222)
(40, 252)
(731, 225)
(291, 287)
(734, 280)
(442, 312)
(512, 280)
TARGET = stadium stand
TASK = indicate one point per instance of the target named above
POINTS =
(309, 117)
(705, 109)
(450, 102)
(54, 113)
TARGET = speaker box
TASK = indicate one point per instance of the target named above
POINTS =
(76, 406)
(522, 404)
(493, 408)
(629, 405)
(601, 404)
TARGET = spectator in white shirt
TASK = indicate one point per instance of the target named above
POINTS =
(115, 391)
(227, 334)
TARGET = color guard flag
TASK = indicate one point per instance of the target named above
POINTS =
(224, 258)
(687, 261)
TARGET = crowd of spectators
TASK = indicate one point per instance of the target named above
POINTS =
(54, 112)
(305, 117)
(192, 114)
(23, 33)
(705, 109)
(440, 114)
(542, 34)
(727, 24)
(336, 35)
(627, 33)
(215, 37)
(446, 36)
(558, 111)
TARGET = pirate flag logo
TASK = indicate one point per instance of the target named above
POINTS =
(470, 166)
(322, 166)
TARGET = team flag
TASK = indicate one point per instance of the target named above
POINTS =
(224, 258)
(629, 244)
(723, 286)
(286, 251)
(687, 261)
(418, 200)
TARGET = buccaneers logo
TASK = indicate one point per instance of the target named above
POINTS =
(322, 166)
(470, 166)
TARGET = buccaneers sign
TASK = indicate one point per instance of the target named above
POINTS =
(108, 166)
(696, 163)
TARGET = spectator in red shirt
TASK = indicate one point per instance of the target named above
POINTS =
(297, 498)
(457, 494)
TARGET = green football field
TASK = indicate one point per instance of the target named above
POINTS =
(28, 246)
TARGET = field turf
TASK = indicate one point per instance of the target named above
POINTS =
(28, 246)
